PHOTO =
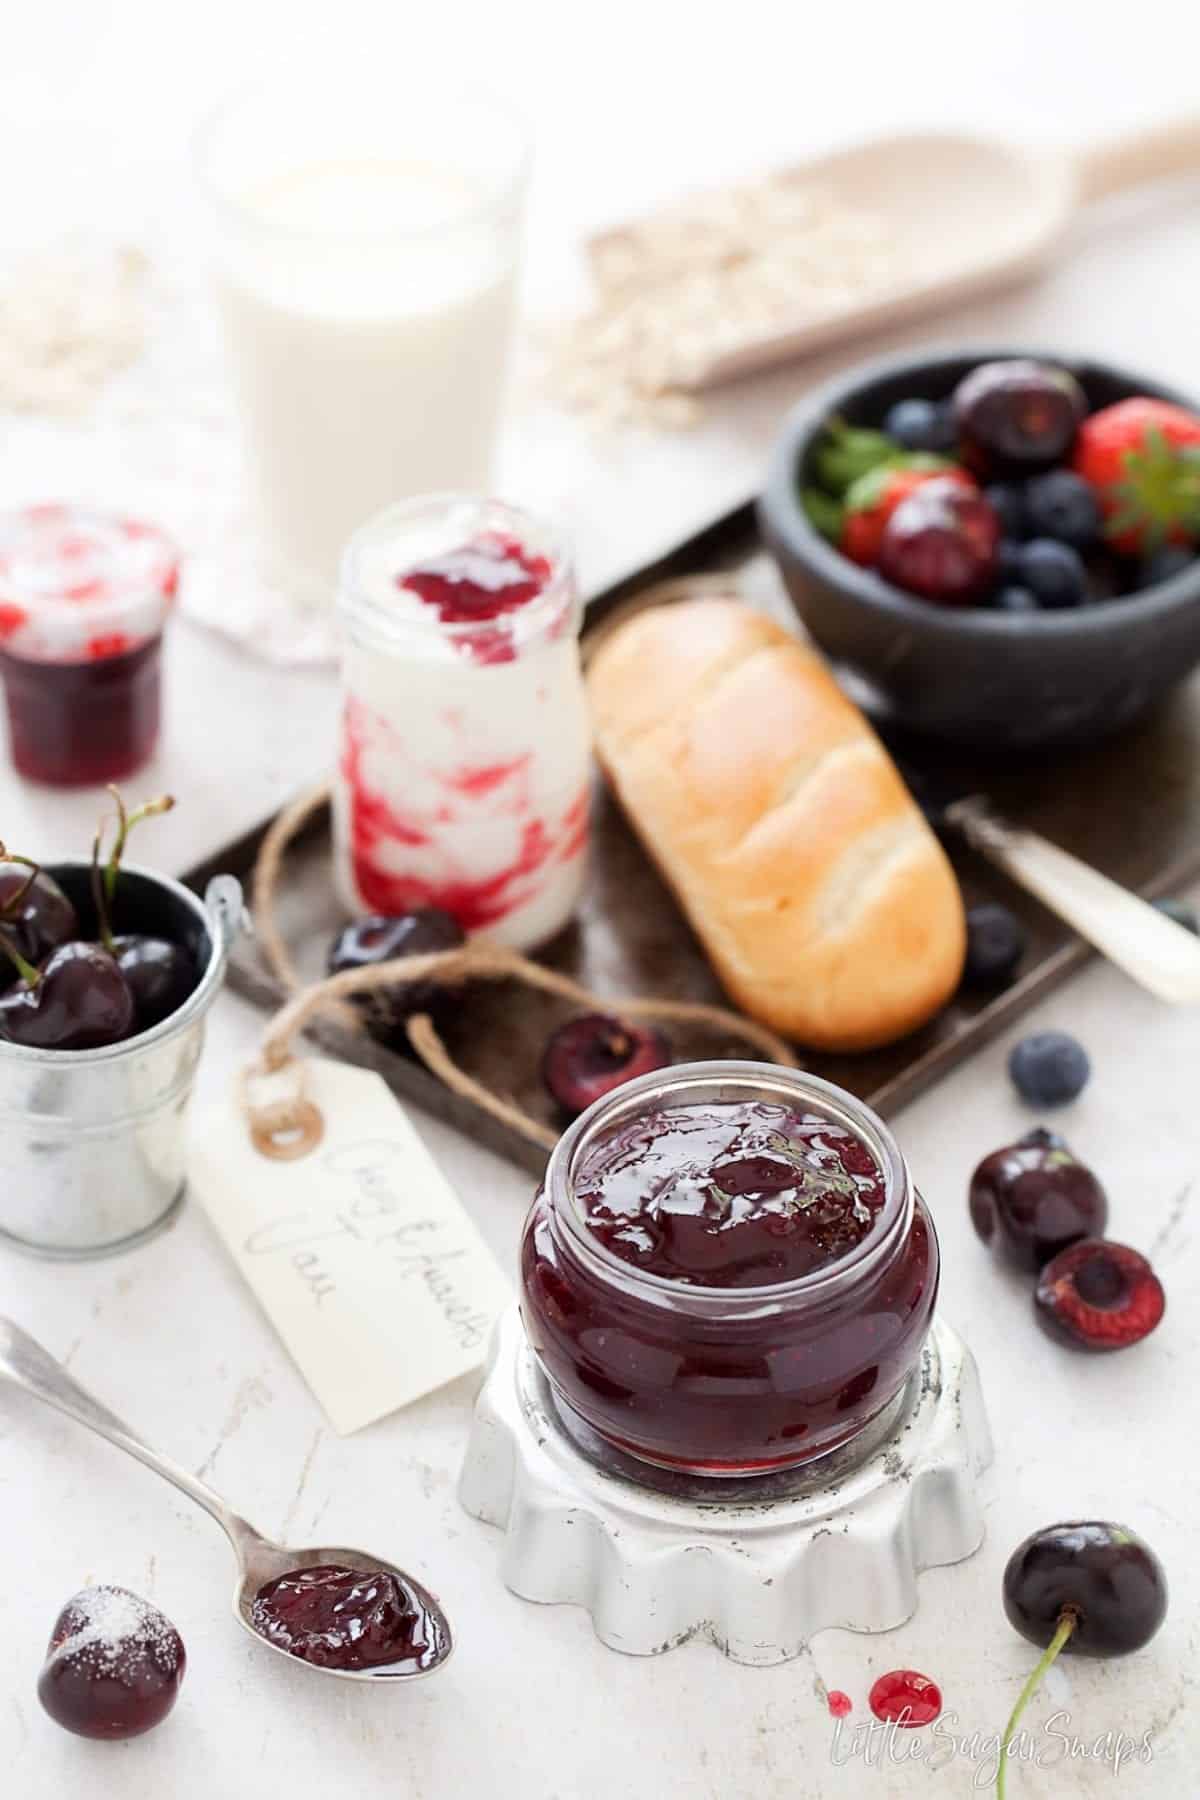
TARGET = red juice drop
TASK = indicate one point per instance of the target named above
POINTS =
(839, 1704)
(905, 1697)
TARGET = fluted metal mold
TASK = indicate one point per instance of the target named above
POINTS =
(756, 1567)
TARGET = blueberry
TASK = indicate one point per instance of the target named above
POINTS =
(1181, 912)
(1161, 565)
(1063, 506)
(920, 425)
(1015, 599)
(1054, 573)
(1007, 499)
(995, 945)
(1049, 1068)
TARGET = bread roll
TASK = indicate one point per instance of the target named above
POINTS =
(823, 899)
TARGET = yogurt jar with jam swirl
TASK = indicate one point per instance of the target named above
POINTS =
(463, 778)
(728, 1270)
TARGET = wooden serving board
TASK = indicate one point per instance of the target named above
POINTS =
(1130, 807)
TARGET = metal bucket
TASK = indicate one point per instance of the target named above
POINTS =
(92, 1143)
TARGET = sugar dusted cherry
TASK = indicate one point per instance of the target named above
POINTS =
(113, 1666)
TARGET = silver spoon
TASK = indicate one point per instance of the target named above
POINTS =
(28, 1366)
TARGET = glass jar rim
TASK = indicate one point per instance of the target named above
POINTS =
(537, 619)
(494, 201)
(741, 1078)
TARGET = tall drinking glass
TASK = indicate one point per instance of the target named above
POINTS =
(367, 244)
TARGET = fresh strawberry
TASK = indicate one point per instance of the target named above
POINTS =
(1143, 458)
(873, 498)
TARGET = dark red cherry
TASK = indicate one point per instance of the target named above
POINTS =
(593, 1054)
(80, 1002)
(1102, 1574)
(377, 939)
(160, 976)
(942, 543)
(35, 914)
(1098, 1295)
(113, 1666)
(1017, 416)
(1033, 1198)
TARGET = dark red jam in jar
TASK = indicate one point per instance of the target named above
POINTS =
(83, 601)
(728, 1270)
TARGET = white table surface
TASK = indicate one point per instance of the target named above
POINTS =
(633, 101)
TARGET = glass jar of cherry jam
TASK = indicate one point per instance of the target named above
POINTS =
(727, 1270)
(83, 602)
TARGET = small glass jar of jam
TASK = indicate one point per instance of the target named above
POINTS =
(728, 1270)
(463, 780)
(83, 602)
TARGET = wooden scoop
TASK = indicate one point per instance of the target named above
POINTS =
(963, 216)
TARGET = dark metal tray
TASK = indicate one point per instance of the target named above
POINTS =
(1131, 807)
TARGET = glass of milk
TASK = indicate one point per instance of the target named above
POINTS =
(367, 246)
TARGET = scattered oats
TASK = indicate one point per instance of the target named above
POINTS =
(684, 286)
(69, 320)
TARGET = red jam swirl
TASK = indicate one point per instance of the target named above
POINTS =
(341, 1618)
(712, 1199)
(473, 793)
(492, 575)
(720, 1196)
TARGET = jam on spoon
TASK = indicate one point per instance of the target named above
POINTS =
(342, 1618)
(409, 1615)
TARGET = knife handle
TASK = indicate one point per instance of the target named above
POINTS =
(1153, 950)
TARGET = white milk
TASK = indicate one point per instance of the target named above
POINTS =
(368, 305)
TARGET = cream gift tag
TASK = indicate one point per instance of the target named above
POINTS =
(353, 1241)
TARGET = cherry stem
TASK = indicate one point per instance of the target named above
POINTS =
(29, 975)
(1066, 1625)
(14, 900)
(149, 809)
(99, 892)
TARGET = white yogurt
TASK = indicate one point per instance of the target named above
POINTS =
(464, 771)
(367, 296)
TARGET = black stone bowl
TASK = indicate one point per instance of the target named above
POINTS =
(969, 675)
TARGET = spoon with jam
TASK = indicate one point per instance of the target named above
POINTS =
(338, 1611)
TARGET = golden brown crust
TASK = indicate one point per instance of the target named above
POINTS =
(824, 900)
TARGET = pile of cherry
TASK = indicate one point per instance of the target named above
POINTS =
(76, 984)
(1045, 1212)
(1011, 495)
